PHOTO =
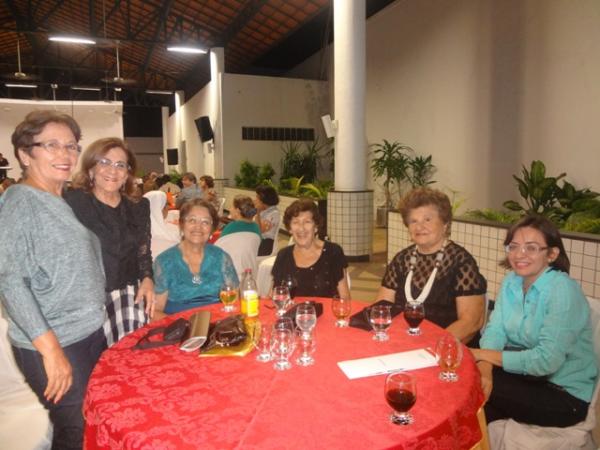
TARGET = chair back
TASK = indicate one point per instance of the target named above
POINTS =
(242, 246)
(221, 206)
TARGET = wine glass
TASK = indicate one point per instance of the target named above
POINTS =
(380, 317)
(414, 313)
(282, 346)
(281, 299)
(306, 317)
(341, 309)
(290, 282)
(448, 352)
(308, 343)
(262, 341)
(228, 296)
(401, 395)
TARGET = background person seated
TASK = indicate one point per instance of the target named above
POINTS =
(190, 189)
(190, 274)
(242, 213)
(317, 268)
(207, 184)
(536, 359)
(268, 217)
(436, 271)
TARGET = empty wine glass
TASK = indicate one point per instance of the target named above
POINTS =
(414, 313)
(282, 346)
(448, 352)
(306, 317)
(281, 299)
(380, 317)
(308, 344)
(262, 341)
(290, 282)
(284, 323)
(228, 296)
(401, 395)
(341, 309)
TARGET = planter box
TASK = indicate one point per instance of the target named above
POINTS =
(484, 240)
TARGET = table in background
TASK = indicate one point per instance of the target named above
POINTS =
(165, 398)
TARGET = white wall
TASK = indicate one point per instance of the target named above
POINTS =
(96, 119)
(267, 102)
(486, 86)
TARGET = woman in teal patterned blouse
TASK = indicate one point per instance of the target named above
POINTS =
(190, 274)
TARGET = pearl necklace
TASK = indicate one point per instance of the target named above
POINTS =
(427, 288)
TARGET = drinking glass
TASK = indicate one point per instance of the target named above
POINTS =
(414, 313)
(341, 308)
(401, 395)
(448, 352)
(284, 323)
(290, 282)
(306, 317)
(380, 317)
(308, 344)
(228, 296)
(262, 341)
(281, 299)
(282, 346)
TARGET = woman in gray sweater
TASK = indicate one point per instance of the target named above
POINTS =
(51, 274)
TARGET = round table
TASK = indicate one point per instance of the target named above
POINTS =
(165, 398)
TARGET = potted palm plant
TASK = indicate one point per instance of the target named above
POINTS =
(391, 160)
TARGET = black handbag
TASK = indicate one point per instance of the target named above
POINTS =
(171, 334)
(361, 318)
(226, 333)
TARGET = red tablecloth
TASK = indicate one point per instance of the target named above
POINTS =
(167, 399)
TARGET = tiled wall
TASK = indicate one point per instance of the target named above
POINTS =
(350, 221)
(484, 242)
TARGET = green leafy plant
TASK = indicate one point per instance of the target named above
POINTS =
(302, 163)
(420, 170)
(175, 177)
(493, 215)
(252, 175)
(390, 162)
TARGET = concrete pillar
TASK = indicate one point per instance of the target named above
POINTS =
(215, 151)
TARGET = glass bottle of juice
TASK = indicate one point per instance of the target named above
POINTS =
(248, 295)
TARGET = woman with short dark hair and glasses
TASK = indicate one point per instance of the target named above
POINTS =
(51, 277)
(105, 200)
(536, 358)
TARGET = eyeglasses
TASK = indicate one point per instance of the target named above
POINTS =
(119, 165)
(54, 147)
(530, 249)
(193, 220)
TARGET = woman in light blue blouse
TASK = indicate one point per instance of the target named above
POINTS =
(536, 359)
(190, 274)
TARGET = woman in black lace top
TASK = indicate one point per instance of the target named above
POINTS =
(104, 201)
(454, 293)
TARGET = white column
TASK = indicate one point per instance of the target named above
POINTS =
(349, 90)
(179, 101)
(214, 159)
(165, 133)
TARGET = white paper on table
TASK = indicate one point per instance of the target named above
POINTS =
(379, 365)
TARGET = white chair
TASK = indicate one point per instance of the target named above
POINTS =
(511, 435)
(221, 206)
(24, 423)
(243, 248)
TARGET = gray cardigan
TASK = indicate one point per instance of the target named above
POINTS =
(51, 274)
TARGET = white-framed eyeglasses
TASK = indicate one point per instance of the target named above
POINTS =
(193, 220)
(530, 249)
(54, 146)
(119, 165)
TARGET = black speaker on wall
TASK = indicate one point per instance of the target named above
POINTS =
(204, 128)
(172, 157)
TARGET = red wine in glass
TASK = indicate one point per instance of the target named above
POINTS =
(400, 400)
(414, 313)
(401, 395)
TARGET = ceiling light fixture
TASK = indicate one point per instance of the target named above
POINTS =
(154, 91)
(14, 85)
(85, 88)
(71, 39)
(186, 49)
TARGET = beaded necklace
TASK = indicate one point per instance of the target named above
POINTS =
(427, 288)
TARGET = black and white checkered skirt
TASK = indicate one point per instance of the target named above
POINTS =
(123, 315)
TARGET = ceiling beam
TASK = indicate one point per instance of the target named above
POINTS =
(162, 20)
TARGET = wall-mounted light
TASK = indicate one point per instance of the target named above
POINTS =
(71, 39)
(187, 49)
(155, 91)
(85, 88)
(17, 85)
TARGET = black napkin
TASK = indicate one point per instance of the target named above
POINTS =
(361, 318)
(292, 312)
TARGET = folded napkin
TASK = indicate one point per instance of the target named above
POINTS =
(361, 318)
(292, 312)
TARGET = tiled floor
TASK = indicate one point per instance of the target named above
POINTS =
(366, 279)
